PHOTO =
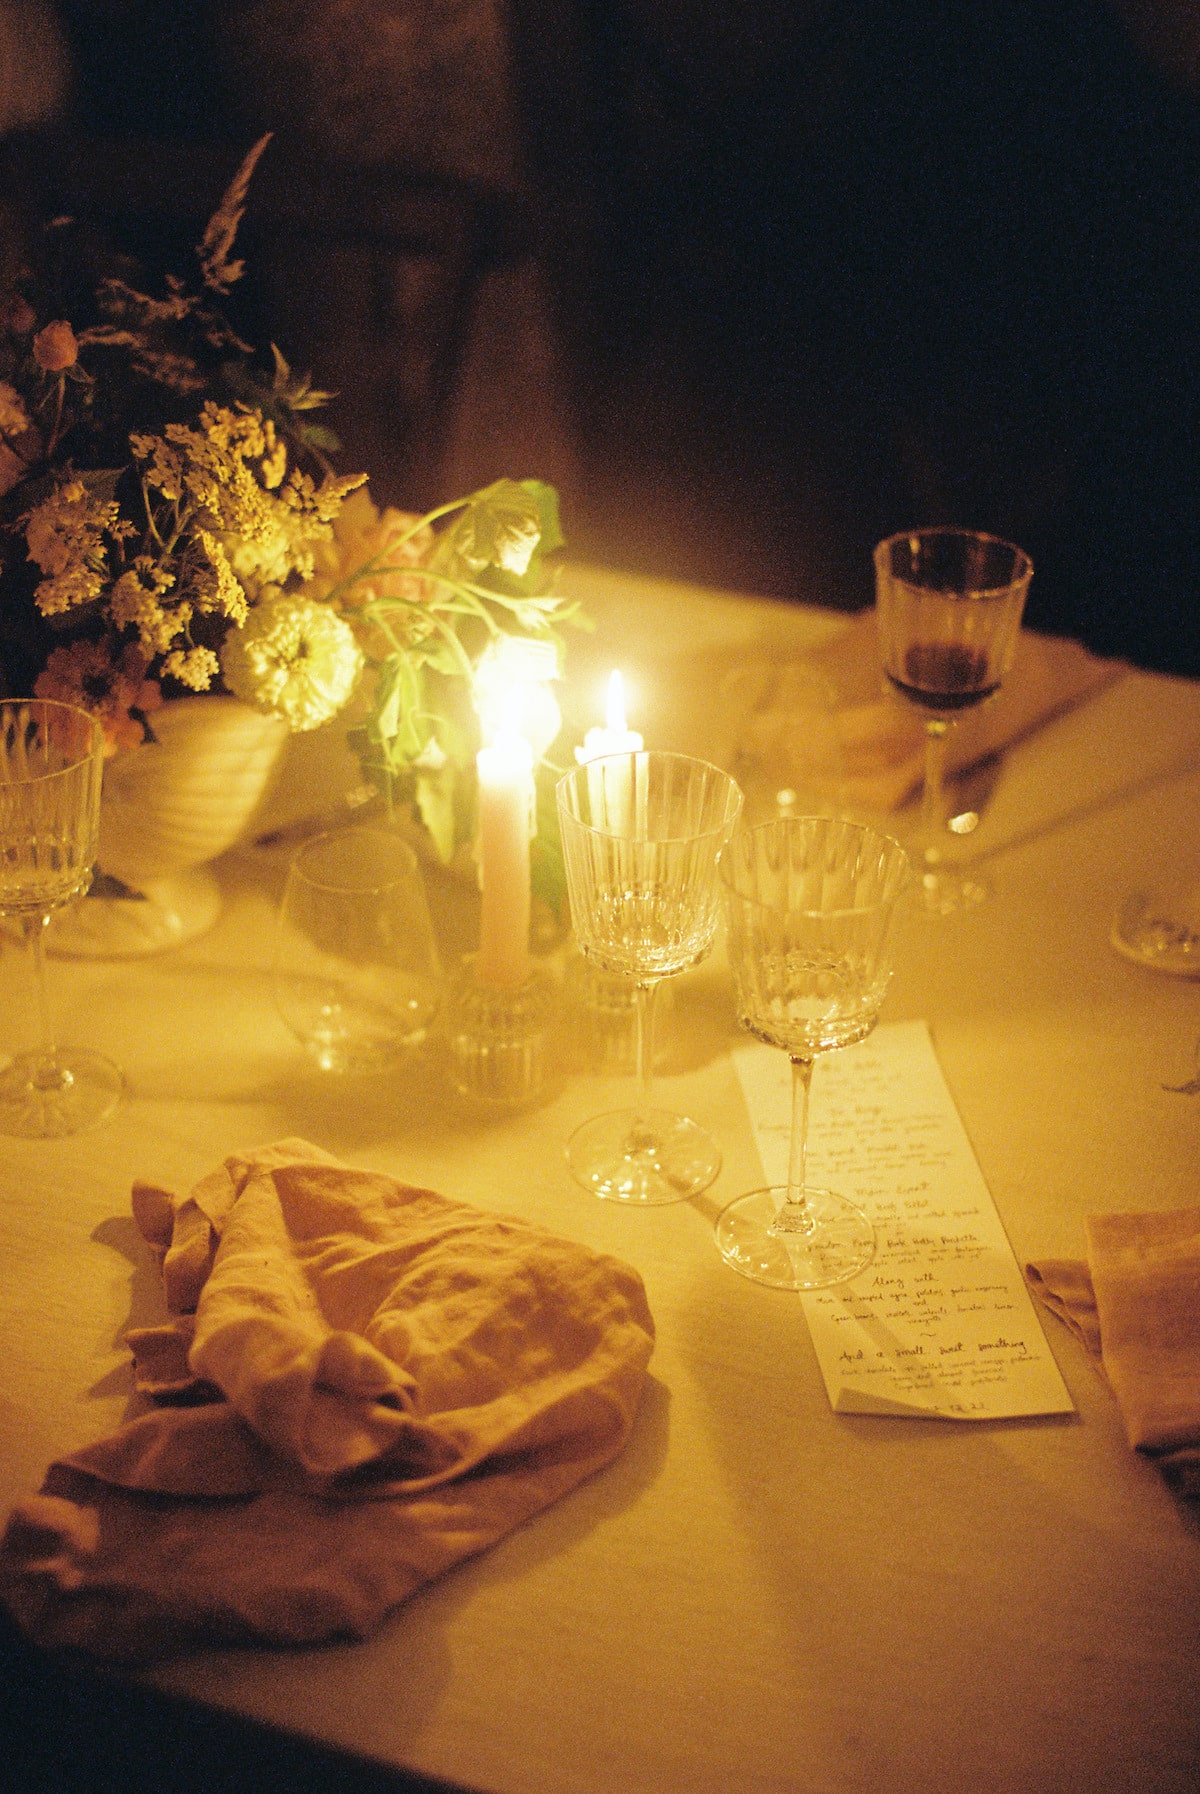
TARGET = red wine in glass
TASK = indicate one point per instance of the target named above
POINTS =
(945, 676)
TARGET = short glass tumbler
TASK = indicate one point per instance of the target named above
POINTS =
(809, 902)
(356, 973)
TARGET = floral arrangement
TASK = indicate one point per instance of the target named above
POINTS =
(171, 523)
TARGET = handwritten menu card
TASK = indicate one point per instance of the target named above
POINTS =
(941, 1322)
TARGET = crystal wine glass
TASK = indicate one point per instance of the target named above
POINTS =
(356, 973)
(50, 774)
(641, 835)
(809, 901)
(949, 604)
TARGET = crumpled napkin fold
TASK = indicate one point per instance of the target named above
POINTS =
(367, 1382)
(868, 742)
(1135, 1304)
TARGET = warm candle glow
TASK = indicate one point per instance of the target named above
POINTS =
(504, 768)
(615, 712)
(616, 737)
(610, 786)
(512, 690)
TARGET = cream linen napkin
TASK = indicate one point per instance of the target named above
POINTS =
(1136, 1304)
(370, 1382)
(876, 738)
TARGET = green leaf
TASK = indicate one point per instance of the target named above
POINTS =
(392, 723)
(308, 398)
(283, 372)
(547, 871)
(546, 499)
(502, 536)
(394, 784)
(296, 391)
(317, 436)
(439, 656)
(435, 804)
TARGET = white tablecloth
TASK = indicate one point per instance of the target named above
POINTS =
(758, 1595)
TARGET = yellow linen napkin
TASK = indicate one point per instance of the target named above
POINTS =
(875, 739)
(374, 1382)
(1136, 1304)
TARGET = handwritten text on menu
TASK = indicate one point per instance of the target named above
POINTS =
(941, 1323)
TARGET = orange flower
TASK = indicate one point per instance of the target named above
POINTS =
(110, 688)
(362, 537)
(55, 348)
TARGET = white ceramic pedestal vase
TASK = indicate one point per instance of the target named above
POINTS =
(169, 808)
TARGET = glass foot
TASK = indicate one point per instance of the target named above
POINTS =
(647, 1158)
(840, 1243)
(44, 1099)
(948, 890)
(1160, 930)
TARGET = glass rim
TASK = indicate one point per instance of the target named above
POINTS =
(864, 830)
(1022, 563)
(410, 866)
(579, 773)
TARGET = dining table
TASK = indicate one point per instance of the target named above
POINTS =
(758, 1595)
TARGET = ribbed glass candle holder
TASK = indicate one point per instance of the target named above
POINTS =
(505, 1047)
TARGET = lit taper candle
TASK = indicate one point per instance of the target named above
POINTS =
(505, 779)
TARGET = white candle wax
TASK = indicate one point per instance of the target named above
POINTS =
(505, 772)
(609, 786)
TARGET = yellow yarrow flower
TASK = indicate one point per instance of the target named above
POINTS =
(135, 602)
(218, 588)
(193, 667)
(229, 479)
(274, 463)
(76, 585)
(65, 537)
(163, 471)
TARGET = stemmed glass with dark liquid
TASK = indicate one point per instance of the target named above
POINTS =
(949, 605)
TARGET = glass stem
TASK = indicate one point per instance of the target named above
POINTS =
(47, 1075)
(794, 1216)
(933, 796)
(645, 1012)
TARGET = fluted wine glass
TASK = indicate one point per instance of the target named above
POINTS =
(50, 770)
(642, 834)
(810, 902)
(948, 604)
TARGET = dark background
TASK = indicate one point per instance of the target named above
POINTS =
(923, 263)
(815, 272)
